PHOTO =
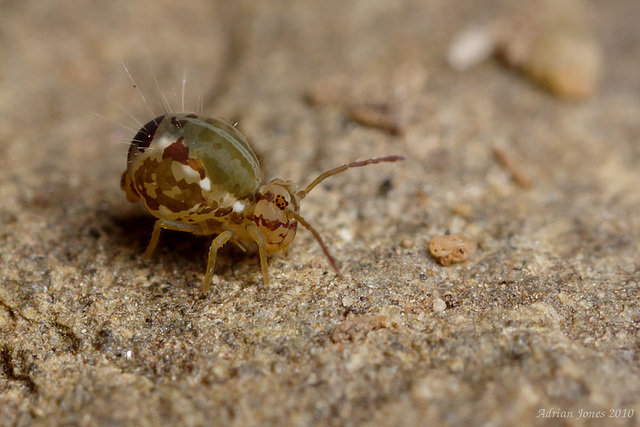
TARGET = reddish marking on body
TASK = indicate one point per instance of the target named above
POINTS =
(268, 196)
(177, 152)
(275, 224)
(223, 211)
(196, 165)
(236, 218)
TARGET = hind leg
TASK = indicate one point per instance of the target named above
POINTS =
(163, 224)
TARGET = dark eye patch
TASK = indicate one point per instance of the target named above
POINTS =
(281, 202)
(145, 135)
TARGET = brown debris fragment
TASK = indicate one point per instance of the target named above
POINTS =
(451, 248)
(383, 116)
(389, 101)
(512, 165)
(355, 328)
(421, 197)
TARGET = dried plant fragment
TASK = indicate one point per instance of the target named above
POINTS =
(514, 167)
(384, 117)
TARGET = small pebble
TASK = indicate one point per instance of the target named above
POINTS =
(407, 243)
(439, 305)
(451, 248)
(565, 63)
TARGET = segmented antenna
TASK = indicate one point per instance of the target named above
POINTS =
(316, 235)
(303, 193)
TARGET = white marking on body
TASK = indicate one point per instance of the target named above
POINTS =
(188, 172)
(205, 183)
(164, 211)
(164, 141)
(238, 207)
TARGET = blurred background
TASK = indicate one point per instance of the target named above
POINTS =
(520, 126)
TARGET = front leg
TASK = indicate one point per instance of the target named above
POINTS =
(255, 234)
(217, 243)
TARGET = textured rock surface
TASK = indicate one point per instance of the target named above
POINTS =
(544, 316)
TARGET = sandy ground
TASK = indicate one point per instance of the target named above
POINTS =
(541, 326)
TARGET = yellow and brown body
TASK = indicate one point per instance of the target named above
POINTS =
(199, 174)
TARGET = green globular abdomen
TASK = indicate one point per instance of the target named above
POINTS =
(226, 156)
(190, 168)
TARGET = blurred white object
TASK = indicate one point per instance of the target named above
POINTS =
(470, 47)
